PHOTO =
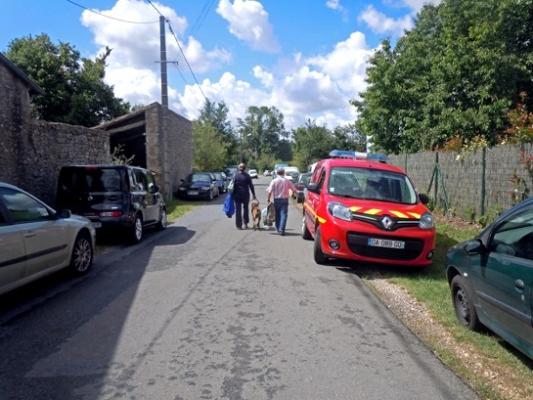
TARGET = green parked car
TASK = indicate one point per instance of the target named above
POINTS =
(491, 278)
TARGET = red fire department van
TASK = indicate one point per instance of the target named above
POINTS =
(360, 208)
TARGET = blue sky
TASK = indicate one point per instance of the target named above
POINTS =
(308, 58)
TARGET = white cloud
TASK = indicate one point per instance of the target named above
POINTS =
(318, 87)
(380, 23)
(334, 5)
(416, 5)
(337, 6)
(266, 78)
(132, 66)
(249, 22)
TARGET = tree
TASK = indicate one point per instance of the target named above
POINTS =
(311, 143)
(455, 74)
(347, 138)
(261, 131)
(216, 114)
(209, 152)
(75, 91)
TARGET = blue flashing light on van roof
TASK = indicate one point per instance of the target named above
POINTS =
(357, 155)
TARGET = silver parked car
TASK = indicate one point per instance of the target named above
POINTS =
(35, 240)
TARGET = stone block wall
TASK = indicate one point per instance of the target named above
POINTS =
(168, 147)
(15, 113)
(47, 146)
(463, 175)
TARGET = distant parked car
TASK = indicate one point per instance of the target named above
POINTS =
(221, 181)
(36, 240)
(266, 172)
(198, 185)
(113, 196)
(292, 173)
(253, 173)
(301, 184)
(491, 278)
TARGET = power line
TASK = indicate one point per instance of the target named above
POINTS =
(110, 16)
(180, 48)
(202, 17)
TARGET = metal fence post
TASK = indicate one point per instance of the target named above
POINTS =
(483, 178)
(436, 178)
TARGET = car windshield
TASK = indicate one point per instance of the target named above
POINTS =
(199, 178)
(371, 184)
(83, 180)
(218, 175)
(304, 178)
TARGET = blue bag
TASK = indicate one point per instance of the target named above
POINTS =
(229, 205)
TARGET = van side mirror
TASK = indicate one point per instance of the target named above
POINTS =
(423, 198)
(313, 187)
(474, 247)
(153, 188)
(64, 214)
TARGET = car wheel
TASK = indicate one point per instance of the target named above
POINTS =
(82, 254)
(306, 235)
(320, 257)
(137, 229)
(463, 303)
(163, 220)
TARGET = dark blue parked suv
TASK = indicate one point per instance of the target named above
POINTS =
(113, 196)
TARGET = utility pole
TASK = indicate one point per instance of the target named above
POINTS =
(163, 61)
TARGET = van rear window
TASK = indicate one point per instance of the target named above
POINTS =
(85, 180)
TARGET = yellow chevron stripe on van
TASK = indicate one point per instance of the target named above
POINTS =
(372, 211)
(399, 214)
(414, 215)
(355, 209)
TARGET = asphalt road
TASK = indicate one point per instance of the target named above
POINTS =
(204, 311)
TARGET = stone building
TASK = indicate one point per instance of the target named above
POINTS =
(33, 151)
(158, 139)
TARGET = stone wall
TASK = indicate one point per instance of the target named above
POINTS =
(15, 113)
(463, 174)
(47, 146)
(168, 147)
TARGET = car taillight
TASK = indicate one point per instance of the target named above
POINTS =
(116, 213)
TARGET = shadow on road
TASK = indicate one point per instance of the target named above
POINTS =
(38, 323)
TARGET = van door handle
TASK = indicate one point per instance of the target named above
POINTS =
(519, 284)
(29, 234)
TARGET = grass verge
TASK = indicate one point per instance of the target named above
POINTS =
(499, 371)
(178, 208)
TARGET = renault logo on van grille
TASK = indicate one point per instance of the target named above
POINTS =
(387, 222)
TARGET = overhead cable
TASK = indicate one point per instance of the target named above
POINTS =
(110, 16)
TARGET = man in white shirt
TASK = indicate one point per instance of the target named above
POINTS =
(279, 191)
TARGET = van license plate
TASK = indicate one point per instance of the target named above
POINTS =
(192, 193)
(387, 243)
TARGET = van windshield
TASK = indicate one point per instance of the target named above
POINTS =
(85, 180)
(371, 184)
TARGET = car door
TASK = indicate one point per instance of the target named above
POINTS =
(45, 237)
(143, 198)
(505, 281)
(12, 252)
(313, 200)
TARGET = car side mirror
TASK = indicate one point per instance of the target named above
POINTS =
(423, 198)
(313, 187)
(154, 188)
(474, 247)
(64, 214)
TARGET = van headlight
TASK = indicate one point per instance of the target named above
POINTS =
(426, 221)
(340, 211)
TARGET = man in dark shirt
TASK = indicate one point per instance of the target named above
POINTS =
(241, 194)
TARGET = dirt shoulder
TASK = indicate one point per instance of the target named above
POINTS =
(489, 378)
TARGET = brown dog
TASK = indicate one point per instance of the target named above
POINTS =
(256, 214)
